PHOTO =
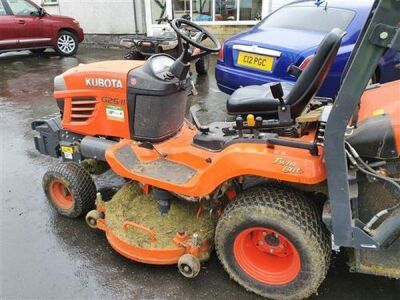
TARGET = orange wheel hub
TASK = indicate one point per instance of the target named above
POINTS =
(267, 256)
(60, 194)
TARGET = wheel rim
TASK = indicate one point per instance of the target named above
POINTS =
(267, 256)
(66, 43)
(61, 195)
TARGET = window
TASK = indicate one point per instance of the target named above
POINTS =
(2, 10)
(158, 10)
(181, 8)
(202, 10)
(50, 2)
(309, 18)
(250, 10)
(22, 8)
(218, 10)
(225, 10)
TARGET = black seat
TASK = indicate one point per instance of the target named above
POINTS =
(258, 99)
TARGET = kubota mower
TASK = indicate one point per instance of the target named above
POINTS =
(273, 192)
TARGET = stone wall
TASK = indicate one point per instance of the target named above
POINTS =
(222, 32)
(102, 40)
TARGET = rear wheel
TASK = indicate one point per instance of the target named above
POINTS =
(70, 189)
(272, 242)
(67, 43)
(134, 55)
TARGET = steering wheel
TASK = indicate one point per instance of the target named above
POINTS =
(176, 25)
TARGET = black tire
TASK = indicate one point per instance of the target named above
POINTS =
(38, 51)
(67, 43)
(79, 194)
(202, 65)
(134, 55)
(290, 214)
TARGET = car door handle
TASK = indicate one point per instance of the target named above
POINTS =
(21, 22)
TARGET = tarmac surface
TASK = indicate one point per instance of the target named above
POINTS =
(45, 256)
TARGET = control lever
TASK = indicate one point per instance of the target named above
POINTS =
(284, 113)
(258, 126)
(277, 93)
(239, 126)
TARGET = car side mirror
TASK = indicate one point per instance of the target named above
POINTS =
(41, 12)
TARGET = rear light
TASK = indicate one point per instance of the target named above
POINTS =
(221, 53)
(306, 61)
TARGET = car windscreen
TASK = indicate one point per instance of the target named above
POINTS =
(322, 19)
(2, 10)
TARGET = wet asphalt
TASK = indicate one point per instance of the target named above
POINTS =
(45, 256)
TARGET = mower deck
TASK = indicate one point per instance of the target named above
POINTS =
(135, 228)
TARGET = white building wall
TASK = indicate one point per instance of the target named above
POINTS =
(115, 16)
(99, 16)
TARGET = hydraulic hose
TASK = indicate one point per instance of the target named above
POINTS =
(355, 159)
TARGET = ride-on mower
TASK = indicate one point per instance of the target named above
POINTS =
(143, 47)
(291, 178)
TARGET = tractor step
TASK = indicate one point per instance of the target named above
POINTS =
(160, 169)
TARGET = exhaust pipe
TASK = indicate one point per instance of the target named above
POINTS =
(92, 147)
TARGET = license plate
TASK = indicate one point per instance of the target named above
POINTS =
(255, 61)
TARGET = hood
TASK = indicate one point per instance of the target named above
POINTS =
(280, 39)
(60, 18)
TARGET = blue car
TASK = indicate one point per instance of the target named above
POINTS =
(291, 35)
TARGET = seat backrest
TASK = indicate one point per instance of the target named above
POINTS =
(313, 76)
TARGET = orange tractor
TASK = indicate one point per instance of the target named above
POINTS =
(293, 176)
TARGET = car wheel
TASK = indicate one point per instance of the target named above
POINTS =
(37, 51)
(67, 43)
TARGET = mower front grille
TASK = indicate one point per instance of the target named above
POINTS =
(82, 109)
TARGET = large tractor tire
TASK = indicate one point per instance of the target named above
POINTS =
(70, 189)
(271, 241)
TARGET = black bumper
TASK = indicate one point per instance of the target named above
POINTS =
(47, 141)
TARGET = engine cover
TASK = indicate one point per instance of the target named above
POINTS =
(93, 98)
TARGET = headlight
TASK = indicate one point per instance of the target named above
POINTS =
(76, 22)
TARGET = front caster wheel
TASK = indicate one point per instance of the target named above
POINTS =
(271, 241)
(70, 189)
(189, 265)
(92, 217)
